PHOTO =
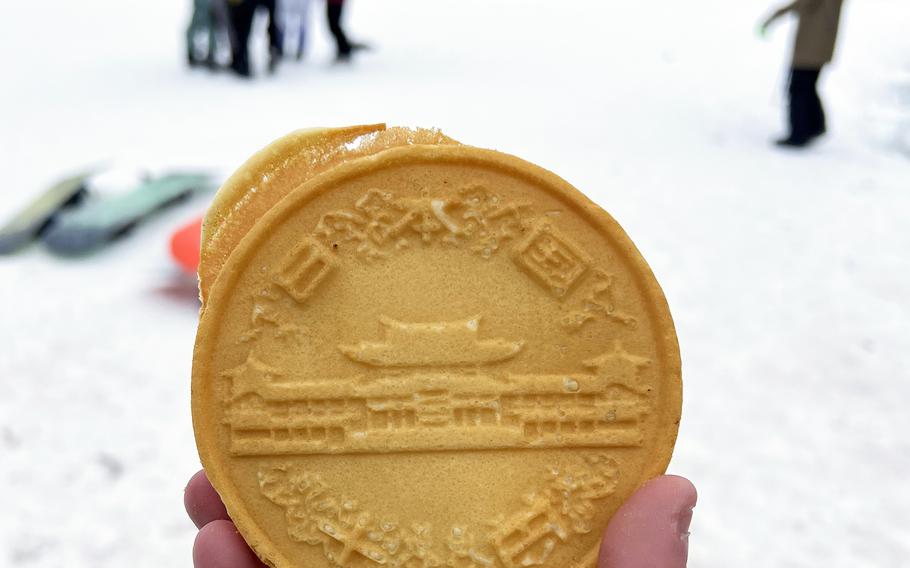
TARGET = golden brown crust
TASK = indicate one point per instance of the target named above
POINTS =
(214, 328)
(273, 172)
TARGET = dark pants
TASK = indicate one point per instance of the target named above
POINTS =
(241, 16)
(807, 117)
(334, 10)
(275, 38)
(242, 21)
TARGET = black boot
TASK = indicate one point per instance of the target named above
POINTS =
(241, 67)
(793, 142)
(818, 123)
(806, 115)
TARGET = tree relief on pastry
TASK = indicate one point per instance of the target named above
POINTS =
(563, 504)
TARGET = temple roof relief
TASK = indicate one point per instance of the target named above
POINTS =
(450, 343)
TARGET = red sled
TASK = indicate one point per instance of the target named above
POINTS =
(185, 246)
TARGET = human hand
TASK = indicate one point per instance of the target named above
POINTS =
(650, 529)
(218, 544)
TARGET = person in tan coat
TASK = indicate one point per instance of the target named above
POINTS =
(816, 36)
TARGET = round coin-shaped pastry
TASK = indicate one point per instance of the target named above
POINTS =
(426, 354)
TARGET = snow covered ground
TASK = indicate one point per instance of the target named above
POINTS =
(788, 274)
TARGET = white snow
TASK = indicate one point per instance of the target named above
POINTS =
(788, 274)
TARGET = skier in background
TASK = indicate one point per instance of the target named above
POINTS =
(210, 18)
(334, 9)
(816, 35)
(241, 16)
(293, 17)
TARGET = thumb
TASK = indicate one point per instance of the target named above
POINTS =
(651, 529)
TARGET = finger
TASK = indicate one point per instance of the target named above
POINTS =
(219, 545)
(202, 502)
(652, 527)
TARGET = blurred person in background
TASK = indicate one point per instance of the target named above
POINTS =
(334, 10)
(293, 17)
(210, 19)
(276, 39)
(241, 16)
(813, 48)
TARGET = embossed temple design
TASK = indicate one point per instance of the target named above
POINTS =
(431, 345)
(427, 391)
